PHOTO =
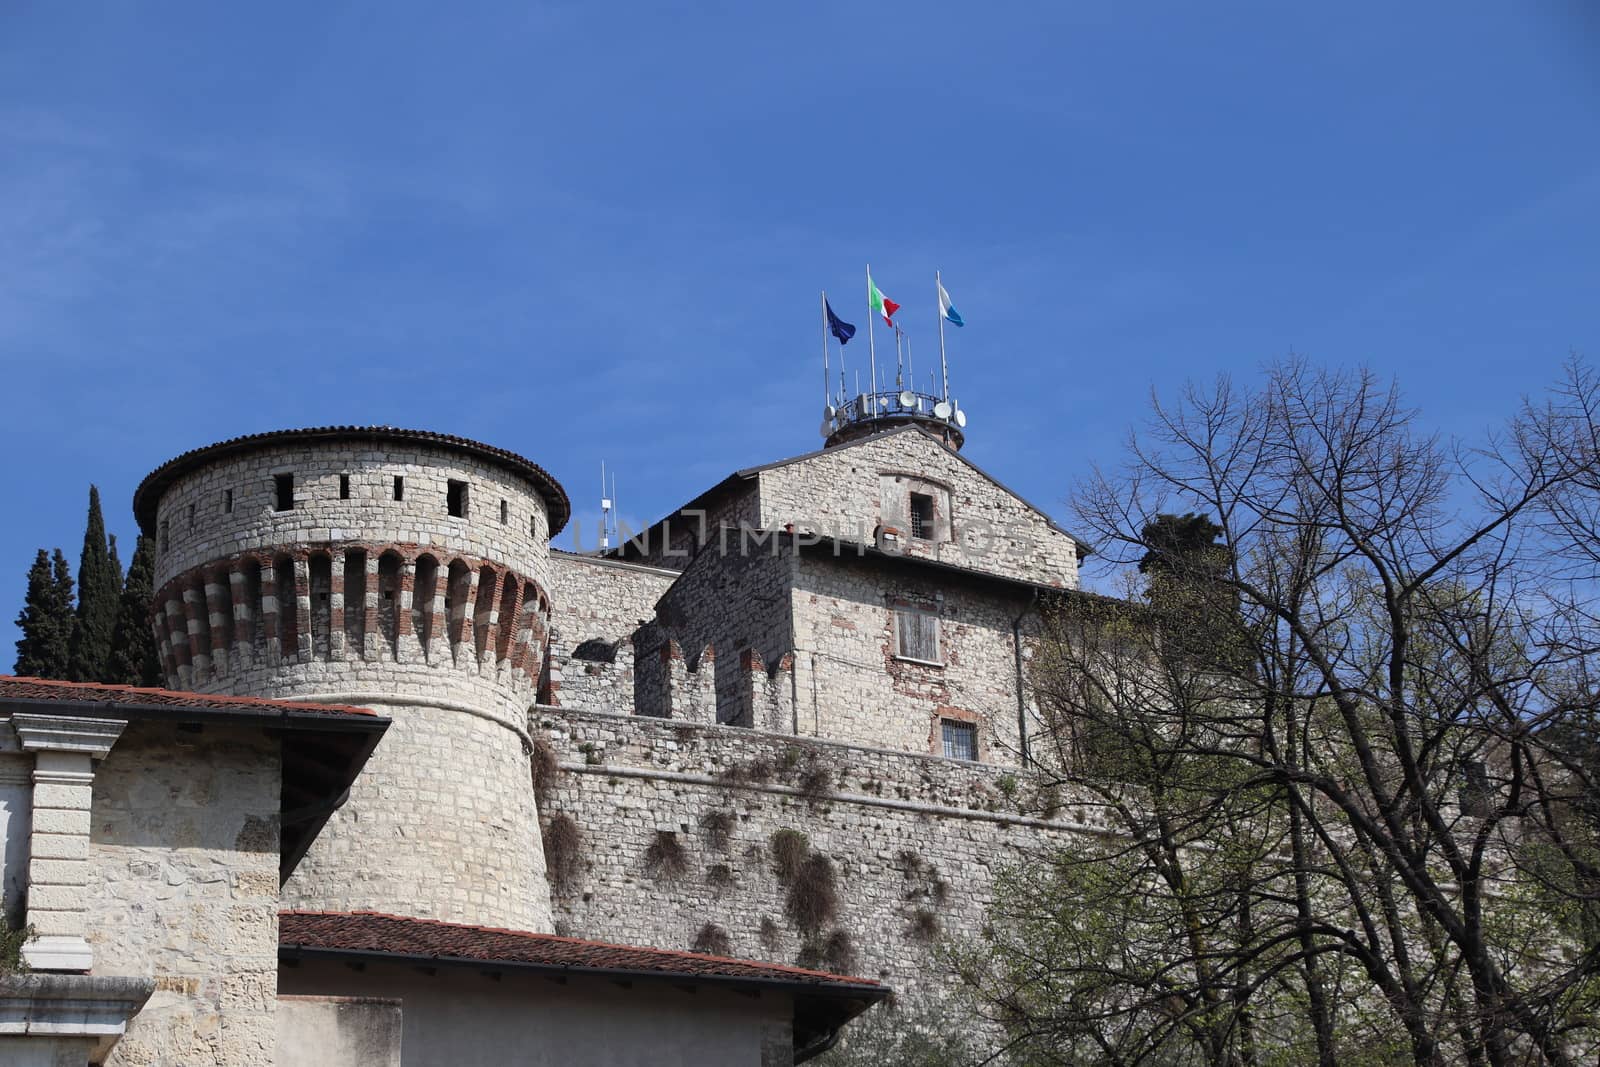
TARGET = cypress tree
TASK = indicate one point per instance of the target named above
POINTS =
(116, 560)
(133, 659)
(98, 593)
(45, 649)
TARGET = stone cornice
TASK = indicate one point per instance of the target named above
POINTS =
(61, 733)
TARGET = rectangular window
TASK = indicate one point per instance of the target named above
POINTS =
(455, 500)
(533, 525)
(227, 501)
(344, 487)
(960, 739)
(917, 634)
(191, 516)
(922, 516)
(284, 483)
(166, 534)
(399, 487)
(505, 513)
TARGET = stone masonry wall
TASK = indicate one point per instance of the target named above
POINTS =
(840, 492)
(599, 602)
(183, 887)
(852, 685)
(913, 841)
(438, 621)
(195, 526)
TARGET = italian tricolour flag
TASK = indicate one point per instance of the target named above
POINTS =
(880, 303)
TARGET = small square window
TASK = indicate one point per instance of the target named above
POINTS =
(922, 516)
(917, 633)
(344, 487)
(960, 739)
(284, 484)
(399, 487)
(455, 501)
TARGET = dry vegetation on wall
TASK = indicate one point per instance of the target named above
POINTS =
(718, 825)
(789, 851)
(771, 935)
(712, 939)
(563, 852)
(836, 953)
(719, 876)
(546, 769)
(665, 860)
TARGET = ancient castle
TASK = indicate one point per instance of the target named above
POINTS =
(832, 649)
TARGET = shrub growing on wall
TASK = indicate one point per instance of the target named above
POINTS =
(563, 852)
(713, 940)
(813, 899)
(664, 859)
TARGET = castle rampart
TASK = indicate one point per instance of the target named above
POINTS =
(397, 569)
(912, 842)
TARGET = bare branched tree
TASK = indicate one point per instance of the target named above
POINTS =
(1342, 755)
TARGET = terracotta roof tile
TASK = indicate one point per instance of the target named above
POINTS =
(376, 932)
(15, 688)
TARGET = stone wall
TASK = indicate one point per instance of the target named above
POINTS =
(847, 491)
(852, 685)
(227, 507)
(183, 887)
(598, 604)
(913, 841)
(354, 596)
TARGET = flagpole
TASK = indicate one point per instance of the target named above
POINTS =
(825, 374)
(872, 345)
(938, 303)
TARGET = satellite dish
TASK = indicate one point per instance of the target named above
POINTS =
(829, 411)
(908, 400)
(942, 409)
(961, 419)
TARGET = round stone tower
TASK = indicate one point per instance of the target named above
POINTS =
(400, 570)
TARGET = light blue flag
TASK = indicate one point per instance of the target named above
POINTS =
(947, 309)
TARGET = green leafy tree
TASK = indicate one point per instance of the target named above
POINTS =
(46, 619)
(133, 659)
(99, 589)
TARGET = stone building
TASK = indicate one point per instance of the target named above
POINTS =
(810, 681)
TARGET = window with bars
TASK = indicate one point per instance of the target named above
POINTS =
(922, 516)
(960, 739)
(917, 633)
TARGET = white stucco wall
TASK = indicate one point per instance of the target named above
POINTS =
(460, 1016)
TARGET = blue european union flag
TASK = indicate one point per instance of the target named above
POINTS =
(838, 327)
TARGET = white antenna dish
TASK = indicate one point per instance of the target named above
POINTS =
(865, 403)
(828, 412)
(908, 399)
(827, 428)
(961, 419)
(942, 409)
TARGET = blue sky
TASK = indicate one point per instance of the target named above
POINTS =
(592, 231)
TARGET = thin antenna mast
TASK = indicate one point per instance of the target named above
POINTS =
(605, 511)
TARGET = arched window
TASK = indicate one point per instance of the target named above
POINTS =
(389, 601)
(422, 620)
(355, 602)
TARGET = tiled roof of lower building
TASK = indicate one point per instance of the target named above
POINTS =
(380, 933)
(49, 689)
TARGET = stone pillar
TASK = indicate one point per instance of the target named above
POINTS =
(269, 611)
(302, 609)
(179, 630)
(58, 864)
(405, 645)
(336, 606)
(195, 621)
(372, 636)
(219, 616)
(243, 625)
